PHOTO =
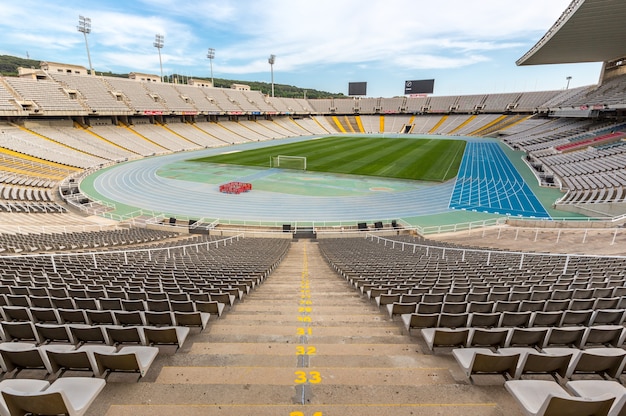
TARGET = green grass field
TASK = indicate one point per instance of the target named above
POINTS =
(401, 158)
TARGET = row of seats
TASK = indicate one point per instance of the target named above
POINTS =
(54, 316)
(503, 305)
(78, 334)
(578, 337)
(493, 294)
(586, 317)
(565, 362)
(172, 302)
(56, 359)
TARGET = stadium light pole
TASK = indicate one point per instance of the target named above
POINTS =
(158, 43)
(84, 26)
(211, 55)
(271, 61)
(568, 80)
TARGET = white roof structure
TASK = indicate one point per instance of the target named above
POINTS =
(587, 31)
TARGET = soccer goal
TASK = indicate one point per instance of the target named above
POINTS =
(288, 162)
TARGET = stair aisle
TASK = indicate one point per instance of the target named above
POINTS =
(303, 343)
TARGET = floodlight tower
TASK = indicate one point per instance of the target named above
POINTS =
(271, 61)
(158, 43)
(211, 54)
(568, 78)
(84, 26)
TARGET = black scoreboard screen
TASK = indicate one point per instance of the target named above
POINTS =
(421, 86)
(357, 88)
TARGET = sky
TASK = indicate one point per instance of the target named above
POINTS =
(468, 47)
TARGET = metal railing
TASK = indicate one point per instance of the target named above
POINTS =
(443, 251)
(125, 253)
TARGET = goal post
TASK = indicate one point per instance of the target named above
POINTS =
(288, 162)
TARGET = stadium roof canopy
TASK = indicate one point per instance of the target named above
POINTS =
(587, 31)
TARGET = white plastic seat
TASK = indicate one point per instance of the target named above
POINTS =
(445, 337)
(532, 361)
(419, 320)
(484, 361)
(23, 385)
(548, 398)
(166, 335)
(596, 388)
(60, 358)
(21, 355)
(137, 359)
(602, 361)
(71, 396)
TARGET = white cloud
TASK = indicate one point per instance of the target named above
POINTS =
(321, 38)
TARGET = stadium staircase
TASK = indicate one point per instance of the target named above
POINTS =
(304, 343)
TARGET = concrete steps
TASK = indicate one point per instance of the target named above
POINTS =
(304, 343)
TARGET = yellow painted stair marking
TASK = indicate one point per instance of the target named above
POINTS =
(136, 133)
(248, 348)
(338, 124)
(90, 131)
(360, 124)
(439, 123)
(377, 409)
(285, 376)
(486, 126)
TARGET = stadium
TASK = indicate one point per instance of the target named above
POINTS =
(179, 248)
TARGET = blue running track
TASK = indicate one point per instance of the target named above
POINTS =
(488, 182)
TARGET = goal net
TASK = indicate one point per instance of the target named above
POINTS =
(288, 162)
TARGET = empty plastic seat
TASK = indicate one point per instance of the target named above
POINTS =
(195, 319)
(607, 335)
(69, 396)
(136, 359)
(62, 359)
(20, 331)
(534, 362)
(22, 385)
(488, 337)
(527, 337)
(175, 335)
(445, 337)
(396, 308)
(607, 317)
(515, 319)
(481, 307)
(425, 307)
(484, 320)
(53, 332)
(419, 320)
(598, 388)
(125, 335)
(542, 318)
(548, 398)
(566, 336)
(484, 361)
(160, 318)
(17, 356)
(606, 362)
(453, 320)
(213, 307)
(580, 317)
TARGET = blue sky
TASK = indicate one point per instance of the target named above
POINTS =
(468, 47)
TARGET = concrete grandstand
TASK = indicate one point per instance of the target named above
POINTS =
(365, 305)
